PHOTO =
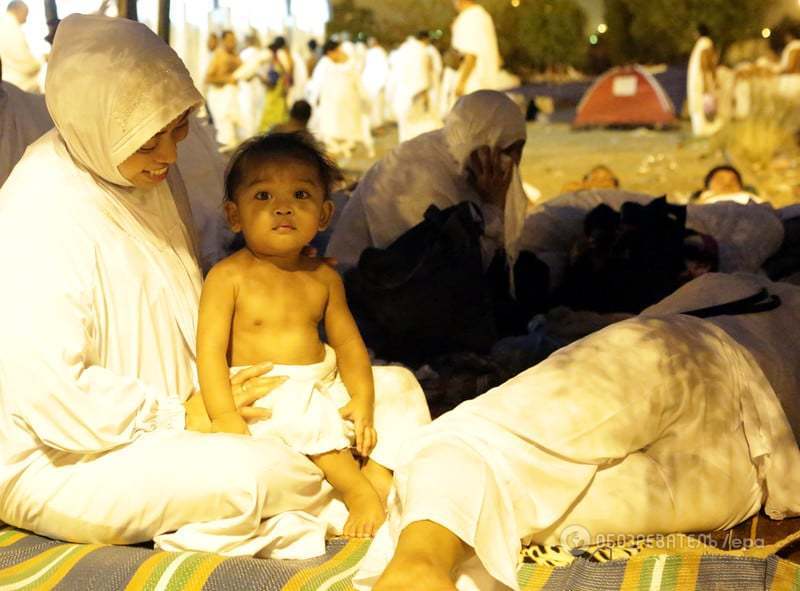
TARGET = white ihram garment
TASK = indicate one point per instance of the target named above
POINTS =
(413, 81)
(20, 67)
(23, 119)
(373, 79)
(473, 33)
(251, 90)
(696, 91)
(430, 170)
(305, 409)
(97, 347)
(339, 115)
(652, 425)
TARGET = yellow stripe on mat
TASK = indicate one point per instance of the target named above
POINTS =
(787, 576)
(533, 577)
(11, 536)
(142, 574)
(202, 571)
(44, 579)
(352, 549)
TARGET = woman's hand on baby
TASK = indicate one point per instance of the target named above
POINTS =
(360, 413)
(312, 253)
(248, 386)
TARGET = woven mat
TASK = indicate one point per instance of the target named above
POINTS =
(30, 562)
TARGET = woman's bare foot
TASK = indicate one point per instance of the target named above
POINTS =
(367, 512)
(414, 573)
(426, 556)
(380, 477)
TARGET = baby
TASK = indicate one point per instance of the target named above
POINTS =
(265, 303)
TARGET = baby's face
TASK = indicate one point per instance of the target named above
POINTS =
(280, 206)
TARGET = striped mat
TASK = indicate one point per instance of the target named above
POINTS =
(30, 562)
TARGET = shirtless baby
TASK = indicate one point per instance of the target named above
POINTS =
(266, 302)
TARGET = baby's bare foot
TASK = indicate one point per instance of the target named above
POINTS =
(414, 573)
(366, 512)
(379, 477)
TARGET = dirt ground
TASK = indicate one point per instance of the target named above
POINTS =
(657, 162)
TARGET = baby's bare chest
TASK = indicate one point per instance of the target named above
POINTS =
(295, 298)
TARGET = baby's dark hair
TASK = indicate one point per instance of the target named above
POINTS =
(261, 148)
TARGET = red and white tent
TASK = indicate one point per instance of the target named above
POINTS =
(627, 95)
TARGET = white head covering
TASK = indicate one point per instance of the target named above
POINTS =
(112, 84)
(430, 169)
(491, 118)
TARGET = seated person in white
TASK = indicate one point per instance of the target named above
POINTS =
(265, 303)
(98, 394)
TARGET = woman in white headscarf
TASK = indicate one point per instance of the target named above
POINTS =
(99, 306)
(475, 157)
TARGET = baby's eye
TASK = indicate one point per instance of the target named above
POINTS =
(302, 194)
(263, 196)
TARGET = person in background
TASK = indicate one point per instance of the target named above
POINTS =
(223, 98)
(299, 115)
(23, 119)
(724, 183)
(22, 68)
(474, 37)
(599, 177)
(338, 98)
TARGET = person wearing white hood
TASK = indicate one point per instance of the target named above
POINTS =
(474, 157)
(98, 395)
(23, 119)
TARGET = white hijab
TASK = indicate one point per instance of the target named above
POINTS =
(112, 84)
(431, 169)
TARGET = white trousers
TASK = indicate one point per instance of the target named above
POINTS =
(636, 429)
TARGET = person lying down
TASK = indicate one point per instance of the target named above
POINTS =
(265, 302)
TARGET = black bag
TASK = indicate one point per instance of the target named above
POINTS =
(425, 294)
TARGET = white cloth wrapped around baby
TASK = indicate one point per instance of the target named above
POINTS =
(305, 409)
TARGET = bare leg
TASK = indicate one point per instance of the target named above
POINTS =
(367, 512)
(380, 477)
(426, 555)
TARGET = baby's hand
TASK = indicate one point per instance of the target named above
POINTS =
(230, 422)
(360, 413)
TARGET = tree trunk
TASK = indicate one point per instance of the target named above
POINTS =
(163, 20)
(127, 8)
(50, 11)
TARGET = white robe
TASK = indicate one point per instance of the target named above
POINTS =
(20, 67)
(413, 81)
(338, 98)
(656, 424)
(23, 119)
(374, 78)
(97, 351)
(696, 91)
(251, 90)
(474, 33)
(430, 170)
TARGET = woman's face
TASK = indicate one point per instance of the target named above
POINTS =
(149, 165)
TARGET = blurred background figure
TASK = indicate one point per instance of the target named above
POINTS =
(251, 87)
(222, 94)
(278, 81)
(474, 37)
(374, 78)
(701, 85)
(338, 99)
(724, 183)
(21, 67)
(299, 115)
